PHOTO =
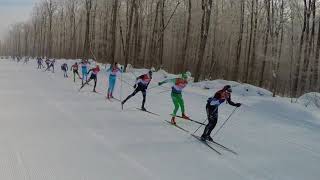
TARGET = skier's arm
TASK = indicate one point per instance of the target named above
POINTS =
(233, 103)
(167, 81)
(90, 71)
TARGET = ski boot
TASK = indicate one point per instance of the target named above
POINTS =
(184, 116)
(173, 120)
(206, 138)
(143, 109)
(203, 137)
(209, 138)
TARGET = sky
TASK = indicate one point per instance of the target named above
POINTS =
(13, 11)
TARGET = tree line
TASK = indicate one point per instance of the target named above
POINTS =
(273, 44)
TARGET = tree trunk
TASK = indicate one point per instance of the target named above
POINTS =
(316, 64)
(297, 64)
(186, 43)
(253, 57)
(205, 25)
(266, 42)
(239, 44)
(113, 30)
(87, 42)
(129, 33)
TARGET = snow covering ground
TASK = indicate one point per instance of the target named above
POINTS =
(51, 131)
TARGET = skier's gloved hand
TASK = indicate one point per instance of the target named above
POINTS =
(238, 104)
(160, 83)
(135, 86)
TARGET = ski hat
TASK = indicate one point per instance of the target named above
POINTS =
(227, 88)
(184, 76)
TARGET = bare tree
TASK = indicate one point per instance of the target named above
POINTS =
(205, 24)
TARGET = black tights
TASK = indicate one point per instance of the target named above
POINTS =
(138, 89)
(95, 82)
(212, 113)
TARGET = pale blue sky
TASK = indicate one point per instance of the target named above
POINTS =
(13, 11)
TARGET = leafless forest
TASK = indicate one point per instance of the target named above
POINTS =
(273, 44)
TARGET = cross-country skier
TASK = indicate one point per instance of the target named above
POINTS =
(141, 84)
(47, 63)
(94, 74)
(113, 71)
(40, 61)
(212, 107)
(64, 68)
(84, 70)
(52, 65)
(176, 95)
(26, 60)
(75, 68)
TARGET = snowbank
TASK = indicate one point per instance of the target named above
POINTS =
(310, 100)
(238, 88)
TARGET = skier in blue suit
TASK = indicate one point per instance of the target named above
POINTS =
(113, 72)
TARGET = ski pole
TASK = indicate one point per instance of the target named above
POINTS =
(126, 82)
(121, 85)
(225, 122)
(199, 127)
(157, 86)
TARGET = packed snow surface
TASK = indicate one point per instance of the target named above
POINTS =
(51, 131)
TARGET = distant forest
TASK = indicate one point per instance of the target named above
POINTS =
(274, 44)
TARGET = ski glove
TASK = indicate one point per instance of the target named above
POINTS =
(160, 83)
(135, 86)
(238, 104)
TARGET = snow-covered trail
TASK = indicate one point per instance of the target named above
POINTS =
(49, 130)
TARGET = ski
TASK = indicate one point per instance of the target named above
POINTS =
(223, 147)
(206, 143)
(108, 99)
(177, 126)
(148, 112)
(97, 92)
(191, 120)
(116, 99)
(81, 87)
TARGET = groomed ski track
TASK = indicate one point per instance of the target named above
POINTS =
(50, 131)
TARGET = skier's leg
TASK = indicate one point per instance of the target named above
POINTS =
(78, 75)
(181, 104)
(112, 82)
(176, 104)
(213, 125)
(144, 95)
(131, 95)
(83, 75)
(95, 84)
(212, 114)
